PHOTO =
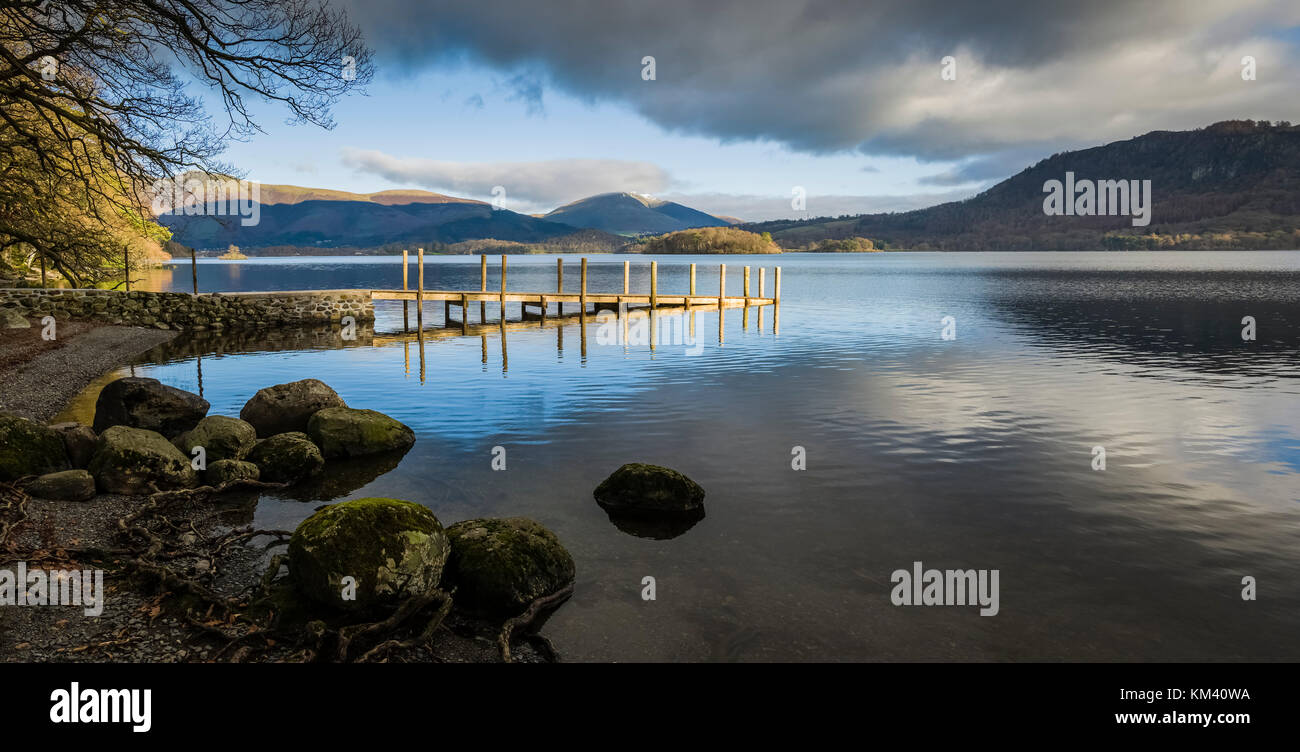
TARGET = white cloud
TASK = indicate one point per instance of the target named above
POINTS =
(546, 184)
(761, 208)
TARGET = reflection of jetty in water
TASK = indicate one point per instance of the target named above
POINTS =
(624, 318)
(628, 327)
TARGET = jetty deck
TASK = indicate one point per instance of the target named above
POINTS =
(619, 301)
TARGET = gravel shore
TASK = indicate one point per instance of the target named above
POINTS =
(38, 377)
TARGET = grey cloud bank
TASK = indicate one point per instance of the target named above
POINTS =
(824, 76)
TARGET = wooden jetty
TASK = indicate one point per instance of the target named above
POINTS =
(620, 301)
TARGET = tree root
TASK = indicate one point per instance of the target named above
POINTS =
(528, 618)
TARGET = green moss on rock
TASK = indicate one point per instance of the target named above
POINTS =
(393, 549)
(134, 461)
(67, 485)
(348, 432)
(226, 471)
(499, 566)
(29, 448)
(221, 437)
(286, 458)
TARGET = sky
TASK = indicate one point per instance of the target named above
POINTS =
(753, 102)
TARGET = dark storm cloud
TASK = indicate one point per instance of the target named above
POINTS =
(822, 76)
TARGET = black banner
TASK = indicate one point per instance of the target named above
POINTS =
(231, 703)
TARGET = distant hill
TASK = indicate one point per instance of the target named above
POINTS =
(323, 220)
(1234, 184)
(295, 219)
(705, 240)
(631, 214)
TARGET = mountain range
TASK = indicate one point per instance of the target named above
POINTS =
(1233, 184)
(316, 219)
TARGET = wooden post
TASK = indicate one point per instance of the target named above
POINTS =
(419, 303)
(761, 279)
(722, 286)
(559, 281)
(194, 270)
(406, 321)
(747, 286)
(582, 290)
(627, 276)
(776, 296)
(543, 306)
(482, 286)
(464, 313)
(654, 284)
(503, 295)
(692, 279)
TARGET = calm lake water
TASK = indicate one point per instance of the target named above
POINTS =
(967, 453)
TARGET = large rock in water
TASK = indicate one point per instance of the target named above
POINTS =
(499, 566)
(345, 432)
(649, 489)
(286, 458)
(222, 438)
(285, 408)
(68, 485)
(135, 461)
(79, 440)
(29, 448)
(393, 549)
(148, 404)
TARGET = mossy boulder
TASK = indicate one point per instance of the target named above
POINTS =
(135, 461)
(148, 404)
(347, 432)
(649, 489)
(222, 438)
(79, 440)
(500, 566)
(286, 408)
(29, 448)
(68, 485)
(228, 471)
(286, 458)
(392, 549)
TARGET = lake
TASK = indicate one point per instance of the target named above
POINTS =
(974, 450)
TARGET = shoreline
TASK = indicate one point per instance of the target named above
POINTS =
(145, 614)
(39, 385)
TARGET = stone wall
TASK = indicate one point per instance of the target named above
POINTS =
(181, 310)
